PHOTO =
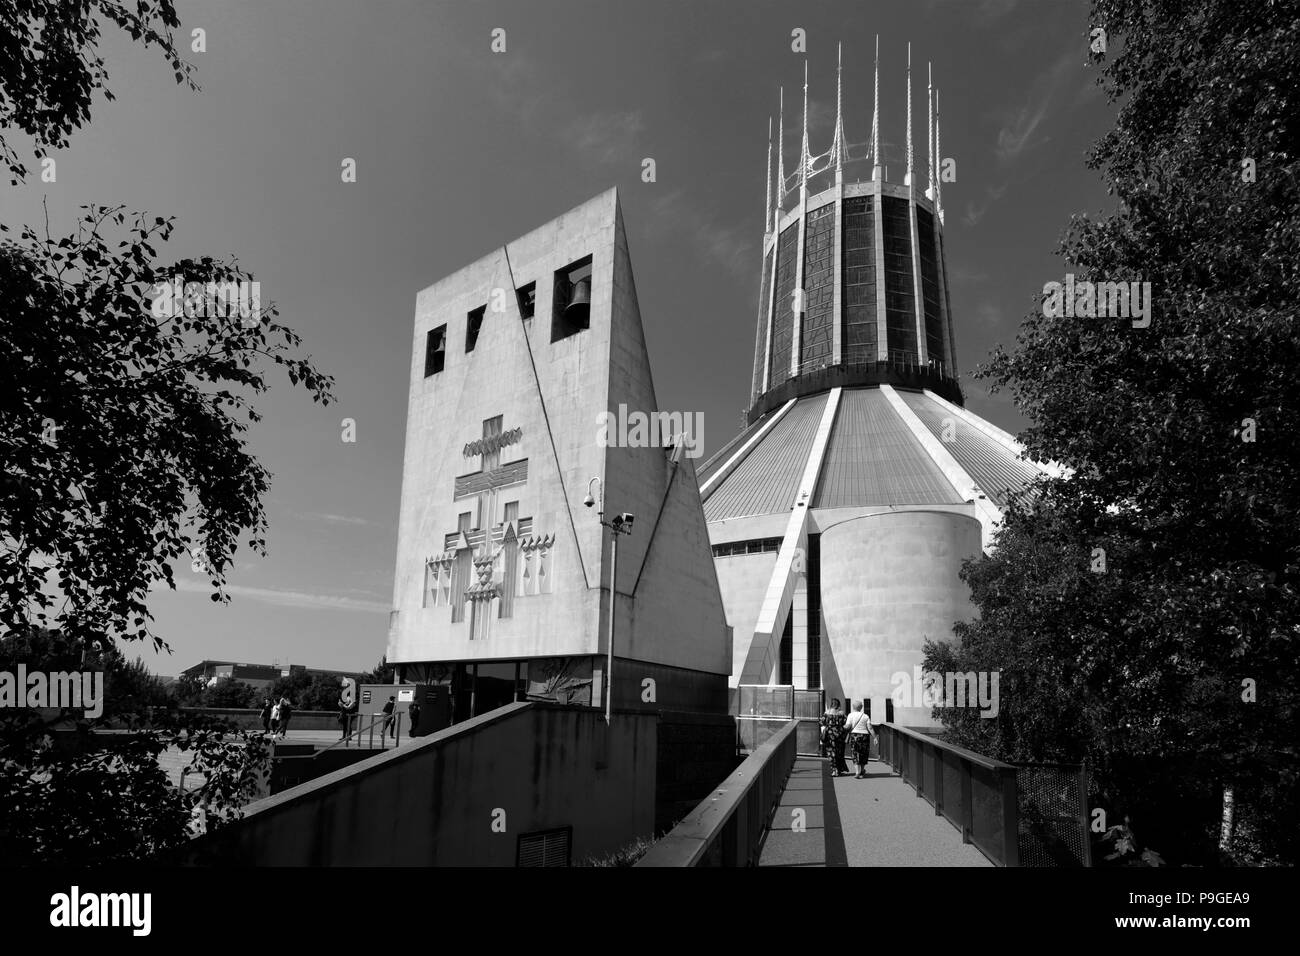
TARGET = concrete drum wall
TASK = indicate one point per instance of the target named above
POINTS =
(889, 582)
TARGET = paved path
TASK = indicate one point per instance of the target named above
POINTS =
(879, 821)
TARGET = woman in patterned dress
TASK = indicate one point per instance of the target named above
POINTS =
(833, 724)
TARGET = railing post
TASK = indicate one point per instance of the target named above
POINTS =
(1010, 818)
(1083, 814)
(967, 803)
(937, 782)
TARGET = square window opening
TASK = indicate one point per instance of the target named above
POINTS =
(473, 326)
(527, 300)
(435, 351)
(571, 303)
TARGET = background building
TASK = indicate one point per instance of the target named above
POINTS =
(840, 516)
(260, 676)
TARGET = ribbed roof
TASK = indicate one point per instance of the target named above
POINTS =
(872, 459)
(992, 465)
(766, 481)
(723, 455)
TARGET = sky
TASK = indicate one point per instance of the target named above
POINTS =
(459, 149)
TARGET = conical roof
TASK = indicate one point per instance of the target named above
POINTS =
(887, 447)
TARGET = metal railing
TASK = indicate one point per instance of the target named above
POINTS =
(357, 735)
(727, 828)
(977, 795)
(762, 710)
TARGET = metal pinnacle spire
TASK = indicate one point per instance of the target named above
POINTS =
(929, 131)
(909, 114)
(780, 152)
(837, 145)
(767, 179)
(805, 156)
(875, 118)
(938, 152)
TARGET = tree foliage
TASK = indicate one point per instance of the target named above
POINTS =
(123, 433)
(231, 692)
(79, 791)
(308, 691)
(384, 673)
(50, 66)
(1127, 605)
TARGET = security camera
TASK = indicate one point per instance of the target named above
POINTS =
(627, 519)
(588, 501)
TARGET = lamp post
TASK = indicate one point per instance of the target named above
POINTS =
(619, 524)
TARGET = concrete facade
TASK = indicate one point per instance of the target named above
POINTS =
(889, 583)
(497, 558)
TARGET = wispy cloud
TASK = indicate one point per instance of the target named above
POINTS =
(517, 89)
(728, 247)
(605, 137)
(1020, 125)
(976, 208)
(282, 598)
(332, 519)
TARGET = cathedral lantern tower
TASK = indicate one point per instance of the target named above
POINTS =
(853, 289)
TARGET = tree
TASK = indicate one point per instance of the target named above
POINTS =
(231, 692)
(384, 673)
(50, 67)
(123, 432)
(122, 443)
(188, 691)
(71, 797)
(1145, 608)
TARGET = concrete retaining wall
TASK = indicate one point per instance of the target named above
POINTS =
(462, 796)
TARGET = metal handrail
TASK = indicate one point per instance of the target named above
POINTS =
(727, 828)
(918, 758)
(356, 734)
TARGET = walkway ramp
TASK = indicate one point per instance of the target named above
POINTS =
(842, 821)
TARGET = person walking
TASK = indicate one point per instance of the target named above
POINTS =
(825, 722)
(390, 721)
(265, 715)
(833, 724)
(841, 767)
(858, 727)
(286, 711)
(274, 727)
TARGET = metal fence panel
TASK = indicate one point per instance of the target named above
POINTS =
(1053, 828)
(987, 812)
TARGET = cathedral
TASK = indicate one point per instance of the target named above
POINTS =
(818, 549)
(841, 515)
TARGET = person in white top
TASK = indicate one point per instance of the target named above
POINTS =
(858, 726)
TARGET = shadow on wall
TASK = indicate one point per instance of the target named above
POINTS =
(528, 783)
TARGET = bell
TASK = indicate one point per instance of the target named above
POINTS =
(579, 306)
